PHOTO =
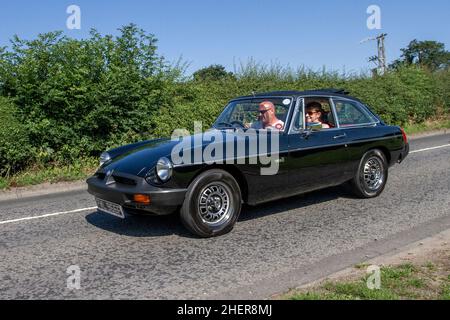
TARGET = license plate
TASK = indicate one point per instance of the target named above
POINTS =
(110, 207)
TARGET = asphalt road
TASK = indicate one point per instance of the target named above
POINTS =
(272, 248)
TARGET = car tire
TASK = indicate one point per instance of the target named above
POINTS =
(370, 179)
(212, 204)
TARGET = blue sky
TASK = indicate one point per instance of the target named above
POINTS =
(292, 32)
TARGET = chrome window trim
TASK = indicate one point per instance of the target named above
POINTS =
(363, 110)
(302, 99)
(342, 144)
(361, 125)
(289, 112)
(292, 130)
(370, 112)
(293, 110)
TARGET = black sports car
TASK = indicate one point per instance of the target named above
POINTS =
(261, 148)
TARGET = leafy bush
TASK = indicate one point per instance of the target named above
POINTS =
(15, 149)
(212, 73)
(442, 79)
(79, 97)
(72, 99)
(407, 95)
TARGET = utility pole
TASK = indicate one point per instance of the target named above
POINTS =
(380, 58)
(381, 52)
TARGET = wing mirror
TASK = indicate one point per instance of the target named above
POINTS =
(311, 127)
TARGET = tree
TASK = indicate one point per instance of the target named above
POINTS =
(429, 54)
(15, 148)
(212, 73)
(76, 95)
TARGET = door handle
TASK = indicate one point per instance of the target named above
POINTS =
(340, 136)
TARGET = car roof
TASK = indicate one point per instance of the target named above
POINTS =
(318, 92)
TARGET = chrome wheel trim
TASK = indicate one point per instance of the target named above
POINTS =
(215, 204)
(373, 174)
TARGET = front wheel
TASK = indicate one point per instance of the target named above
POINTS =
(212, 204)
(371, 177)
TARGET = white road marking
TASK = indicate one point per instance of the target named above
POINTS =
(94, 208)
(47, 215)
(433, 148)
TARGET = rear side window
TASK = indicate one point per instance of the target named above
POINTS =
(350, 113)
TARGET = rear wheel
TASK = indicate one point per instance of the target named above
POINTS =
(212, 204)
(371, 177)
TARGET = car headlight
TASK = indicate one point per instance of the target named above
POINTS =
(104, 157)
(164, 169)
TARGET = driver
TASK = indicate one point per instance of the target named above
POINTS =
(267, 118)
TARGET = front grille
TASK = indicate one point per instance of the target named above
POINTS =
(124, 180)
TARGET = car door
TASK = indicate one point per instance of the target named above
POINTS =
(271, 185)
(316, 159)
(267, 177)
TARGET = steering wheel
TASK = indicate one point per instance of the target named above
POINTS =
(238, 123)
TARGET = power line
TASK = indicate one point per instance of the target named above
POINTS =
(380, 58)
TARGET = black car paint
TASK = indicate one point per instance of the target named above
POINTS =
(147, 153)
(308, 162)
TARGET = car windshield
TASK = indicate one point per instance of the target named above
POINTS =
(247, 113)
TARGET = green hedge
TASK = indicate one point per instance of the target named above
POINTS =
(79, 97)
(71, 99)
(15, 149)
(406, 96)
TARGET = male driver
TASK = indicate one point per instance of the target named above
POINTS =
(267, 118)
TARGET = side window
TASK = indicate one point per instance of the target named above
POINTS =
(318, 113)
(244, 112)
(350, 113)
(281, 105)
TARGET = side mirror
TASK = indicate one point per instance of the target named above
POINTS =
(311, 127)
(307, 132)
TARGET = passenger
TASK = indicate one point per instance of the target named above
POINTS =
(267, 118)
(314, 113)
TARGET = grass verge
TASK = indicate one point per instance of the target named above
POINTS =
(429, 281)
(52, 174)
(427, 126)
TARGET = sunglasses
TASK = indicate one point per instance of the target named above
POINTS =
(263, 111)
(310, 113)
